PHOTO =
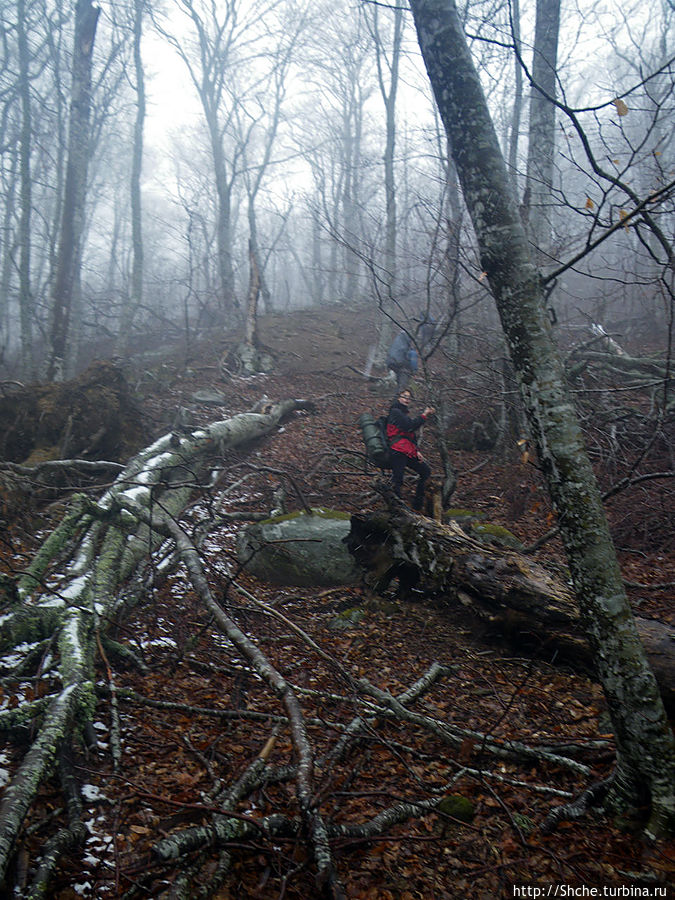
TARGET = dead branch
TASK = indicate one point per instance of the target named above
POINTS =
(88, 559)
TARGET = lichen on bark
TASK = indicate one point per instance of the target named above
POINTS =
(646, 746)
(74, 586)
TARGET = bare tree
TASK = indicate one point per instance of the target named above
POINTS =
(256, 124)
(26, 203)
(537, 200)
(388, 64)
(70, 249)
(135, 299)
(645, 771)
(223, 35)
(338, 127)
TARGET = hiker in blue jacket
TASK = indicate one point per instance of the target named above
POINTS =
(402, 358)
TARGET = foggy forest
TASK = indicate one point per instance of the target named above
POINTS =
(236, 660)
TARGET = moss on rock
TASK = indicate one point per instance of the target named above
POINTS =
(458, 807)
(474, 523)
(496, 534)
(299, 549)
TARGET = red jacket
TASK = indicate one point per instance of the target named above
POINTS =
(401, 430)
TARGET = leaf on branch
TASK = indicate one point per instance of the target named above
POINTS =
(621, 107)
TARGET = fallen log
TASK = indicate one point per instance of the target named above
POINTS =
(527, 603)
(73, 589)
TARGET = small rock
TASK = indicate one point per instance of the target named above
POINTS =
(209, 397)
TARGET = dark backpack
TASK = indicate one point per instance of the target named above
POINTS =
(374, 433)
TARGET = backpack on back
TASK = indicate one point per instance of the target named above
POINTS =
(374, 433)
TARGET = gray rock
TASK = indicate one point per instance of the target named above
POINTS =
(209, 397)
(299, 549)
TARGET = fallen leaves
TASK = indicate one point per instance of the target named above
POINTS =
(165, 780)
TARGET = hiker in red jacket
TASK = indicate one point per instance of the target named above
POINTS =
(401, 431)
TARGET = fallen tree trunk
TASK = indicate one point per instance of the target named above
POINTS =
(640, 369)
(72, 591)
(67, 597)
(76, 585)
(505, 588)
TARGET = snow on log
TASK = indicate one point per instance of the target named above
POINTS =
(72, 588)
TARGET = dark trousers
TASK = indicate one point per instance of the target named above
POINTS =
(403, 374)
(399, 461)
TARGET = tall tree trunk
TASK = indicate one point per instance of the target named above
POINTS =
(25, 295)
(7, 252)
(454, 216)
(541, 147)
(390, 148)
(352, 138)
(518, 98)
(251, 327)
(389, 93)
(645, 772)
(317, 267)
(133, 302)
(224, 227)
(70, 250)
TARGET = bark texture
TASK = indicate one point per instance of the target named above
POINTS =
(73, 587)
(72, 223)
(537, 203)
(646, 748)
(515, 595)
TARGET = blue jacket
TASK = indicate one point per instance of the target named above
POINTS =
(426, 331)
(402, 354)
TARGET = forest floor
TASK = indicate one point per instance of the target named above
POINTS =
(217, 715)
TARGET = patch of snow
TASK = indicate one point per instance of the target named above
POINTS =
(91, 792)
(160, 642)
(135, 493)
(52, 600)
(71, 633)
(4, 773)
(74, 589)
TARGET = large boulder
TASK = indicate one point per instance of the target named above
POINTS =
(299, 549)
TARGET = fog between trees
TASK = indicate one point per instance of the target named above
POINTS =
(303, 144)
(313, 169)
